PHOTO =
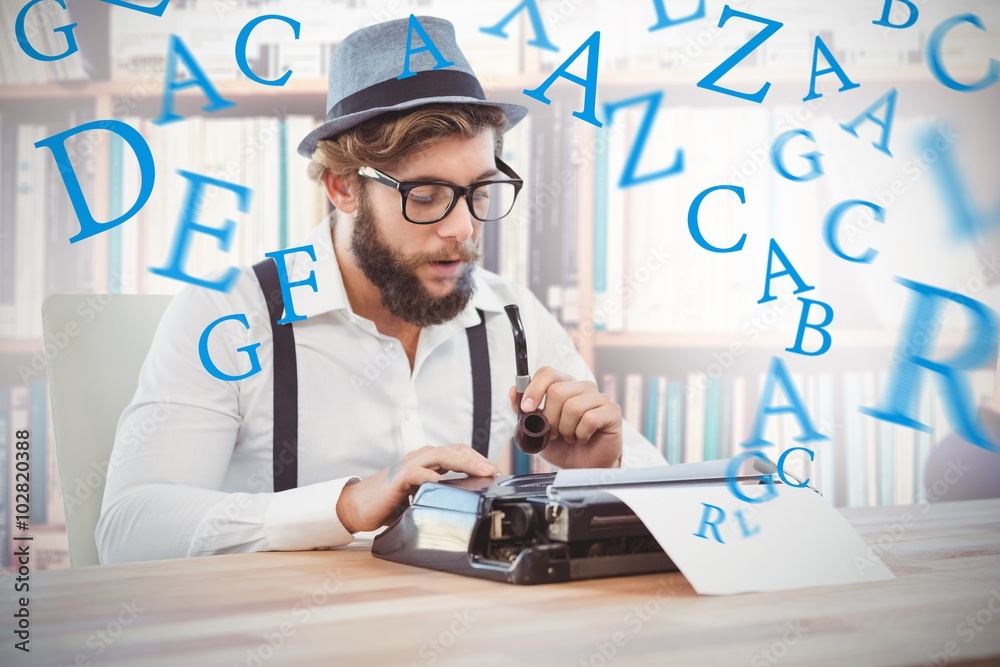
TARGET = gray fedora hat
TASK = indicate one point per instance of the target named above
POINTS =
(364, 81)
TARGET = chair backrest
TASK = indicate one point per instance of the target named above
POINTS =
(100, 343)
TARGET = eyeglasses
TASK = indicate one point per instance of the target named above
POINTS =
(426, 202)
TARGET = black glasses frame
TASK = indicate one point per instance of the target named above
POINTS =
(404, 188)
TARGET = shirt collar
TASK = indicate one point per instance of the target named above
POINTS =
(331, 294)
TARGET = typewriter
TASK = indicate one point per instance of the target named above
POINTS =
(521, 529)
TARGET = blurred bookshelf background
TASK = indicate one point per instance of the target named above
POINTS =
(672, 331)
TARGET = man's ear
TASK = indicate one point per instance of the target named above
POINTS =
(341, 191)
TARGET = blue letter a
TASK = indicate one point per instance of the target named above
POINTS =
(778, 372)
(176, 50)
(889, 102)
(593, 46)
(541, 40)
(428, 46)
(834, 68)
(800, 285)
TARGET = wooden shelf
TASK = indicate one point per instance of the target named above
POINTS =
(665, 78)
(49, 90)
(21, 345)
(227, 88)
(855, 339)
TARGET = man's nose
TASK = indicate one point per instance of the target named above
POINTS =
(459, 223)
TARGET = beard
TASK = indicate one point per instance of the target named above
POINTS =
(403, 292)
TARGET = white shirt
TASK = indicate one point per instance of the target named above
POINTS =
(191, 471)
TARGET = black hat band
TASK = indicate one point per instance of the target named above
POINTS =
(426, 84)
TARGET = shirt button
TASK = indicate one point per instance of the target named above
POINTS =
(407, 415)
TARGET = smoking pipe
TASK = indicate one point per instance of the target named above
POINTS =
(532, 432)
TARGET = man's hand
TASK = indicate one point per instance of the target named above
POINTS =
(585, 426)
(375, 501)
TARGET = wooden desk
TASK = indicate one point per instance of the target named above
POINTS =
(344, 607)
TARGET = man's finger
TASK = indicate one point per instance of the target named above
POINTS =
(558, 394)
(596, 420)
(539, 386)
(573, 411)
(457, 458)
(414, 476)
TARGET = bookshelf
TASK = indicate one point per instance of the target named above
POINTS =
(510, 83)
(20, 346)
(683, 352)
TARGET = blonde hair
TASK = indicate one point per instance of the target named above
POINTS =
(386, 141)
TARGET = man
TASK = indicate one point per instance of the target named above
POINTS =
(401, 346)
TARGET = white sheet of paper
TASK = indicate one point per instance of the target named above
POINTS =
(795, 540)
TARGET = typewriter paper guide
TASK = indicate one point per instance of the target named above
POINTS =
(796, 540)
(687, 472)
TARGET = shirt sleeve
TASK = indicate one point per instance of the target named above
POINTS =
(557, 350)
(173, 445)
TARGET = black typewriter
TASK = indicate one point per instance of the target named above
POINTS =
(508, 529)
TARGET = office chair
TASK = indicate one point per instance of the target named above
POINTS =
(99, 344)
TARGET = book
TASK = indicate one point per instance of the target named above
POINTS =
(694, 418)
(660, 425)
(675, 422)
(713, 418)
(652, 400)
(633, 407)
(855, 441)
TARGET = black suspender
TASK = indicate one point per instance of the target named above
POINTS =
(479, 357)
(285, 449)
